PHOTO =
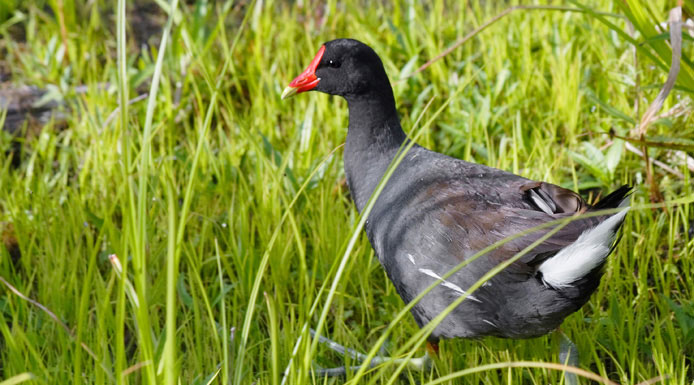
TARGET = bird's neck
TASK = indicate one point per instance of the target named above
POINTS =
(373, 138)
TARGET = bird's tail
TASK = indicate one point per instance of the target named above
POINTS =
(589, 251)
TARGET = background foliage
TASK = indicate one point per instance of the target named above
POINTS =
(226, 207)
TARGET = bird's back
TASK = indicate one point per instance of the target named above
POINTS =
(437, 212)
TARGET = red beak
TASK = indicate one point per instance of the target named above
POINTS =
(307, 80)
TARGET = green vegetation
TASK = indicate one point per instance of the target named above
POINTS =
(226, 209)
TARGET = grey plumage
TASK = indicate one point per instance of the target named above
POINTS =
(437, 211)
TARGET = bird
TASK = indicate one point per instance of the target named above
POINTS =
(436, 212)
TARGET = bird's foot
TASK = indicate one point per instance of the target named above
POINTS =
(568, 355)
(416, 364)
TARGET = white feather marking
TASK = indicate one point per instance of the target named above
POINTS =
(489, 322)
(586, 253)
(448, 284)
(540, 203)
(411, 258)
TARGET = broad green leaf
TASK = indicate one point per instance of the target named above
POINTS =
(614, 155)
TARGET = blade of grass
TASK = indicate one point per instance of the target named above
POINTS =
(675, 21)
(523, 364)
(238, 367)
(424, 332)
(18, 379)
(123, 92)
(419, 337)
(223, 312)
(369, 206)
(169, 356)
(139, 230)
(274, 338)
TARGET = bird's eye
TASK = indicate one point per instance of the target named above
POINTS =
(333, 63)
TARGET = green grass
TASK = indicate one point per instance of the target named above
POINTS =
(226, 209)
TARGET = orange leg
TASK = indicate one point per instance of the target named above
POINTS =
(433, 348)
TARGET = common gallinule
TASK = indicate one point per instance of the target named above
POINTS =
(436, 211)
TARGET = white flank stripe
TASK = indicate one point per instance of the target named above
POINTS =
(411, 258)
(489, 322)
(576, 260)
(448, 284)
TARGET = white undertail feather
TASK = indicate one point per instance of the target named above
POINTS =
(586, 253)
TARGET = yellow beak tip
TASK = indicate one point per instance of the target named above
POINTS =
(289, 92)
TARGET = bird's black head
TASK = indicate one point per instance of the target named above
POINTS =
(343, 67)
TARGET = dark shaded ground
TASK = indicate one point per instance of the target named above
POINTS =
(146, 20)
(27, 105)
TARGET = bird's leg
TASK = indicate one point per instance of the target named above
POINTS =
(433, 348)
(568, 355)
(418, 364)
